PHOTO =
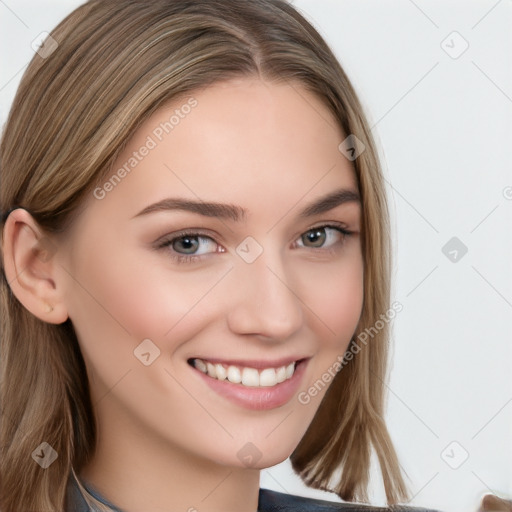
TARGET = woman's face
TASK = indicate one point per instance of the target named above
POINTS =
(218, 236)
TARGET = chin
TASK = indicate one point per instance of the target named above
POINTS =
(251, 455)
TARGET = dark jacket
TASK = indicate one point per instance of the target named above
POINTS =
(269, 501)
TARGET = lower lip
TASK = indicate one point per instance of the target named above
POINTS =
(257, 398)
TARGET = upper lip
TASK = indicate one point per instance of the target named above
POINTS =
(254, 363)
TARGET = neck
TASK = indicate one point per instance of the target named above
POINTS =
(136, 472)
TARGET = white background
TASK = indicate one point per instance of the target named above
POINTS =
(444, 126)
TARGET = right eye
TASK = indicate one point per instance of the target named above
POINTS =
(189, 245)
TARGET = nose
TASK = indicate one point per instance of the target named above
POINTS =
(263, 301)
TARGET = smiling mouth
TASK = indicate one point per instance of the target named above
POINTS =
(245, 375)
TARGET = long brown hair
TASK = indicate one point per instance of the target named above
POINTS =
(115, 64)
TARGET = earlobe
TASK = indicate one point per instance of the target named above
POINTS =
(30, 267)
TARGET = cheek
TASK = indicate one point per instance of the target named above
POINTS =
(334, 295)
(137, 296)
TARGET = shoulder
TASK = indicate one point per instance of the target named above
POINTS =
(273, 501)
(74, 499)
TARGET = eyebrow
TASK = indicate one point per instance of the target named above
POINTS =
(330, 201)
(237, 213)
(208, 209)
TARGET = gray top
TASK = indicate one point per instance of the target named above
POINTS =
(75, 502)
(269, 501)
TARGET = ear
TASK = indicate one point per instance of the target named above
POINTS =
(29, 257)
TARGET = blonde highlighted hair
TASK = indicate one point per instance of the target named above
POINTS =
(115, 64)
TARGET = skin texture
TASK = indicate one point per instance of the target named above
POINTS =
(166, 440)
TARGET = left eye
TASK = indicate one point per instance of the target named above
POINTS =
(322, 236)
(190, 244)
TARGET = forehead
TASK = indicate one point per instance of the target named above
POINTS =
(242, 141)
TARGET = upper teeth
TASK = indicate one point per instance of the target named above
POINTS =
(246, 376)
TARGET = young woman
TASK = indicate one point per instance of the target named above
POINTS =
(195, 242)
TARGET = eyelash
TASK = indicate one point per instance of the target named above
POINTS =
(183, 258)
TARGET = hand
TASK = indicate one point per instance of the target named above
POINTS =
(491, 503)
